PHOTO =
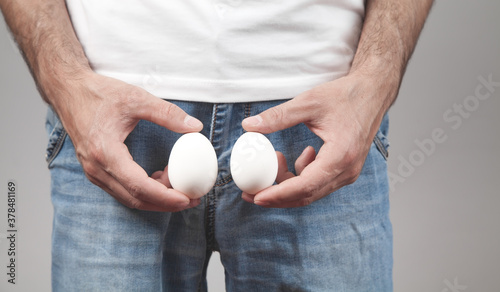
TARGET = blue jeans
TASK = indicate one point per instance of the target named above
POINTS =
(342, 242)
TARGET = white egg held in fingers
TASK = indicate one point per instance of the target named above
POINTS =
(254, 164)
(192, 165)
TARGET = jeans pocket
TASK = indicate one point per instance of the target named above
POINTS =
(382, 144)
(380, 140)
(57, 135)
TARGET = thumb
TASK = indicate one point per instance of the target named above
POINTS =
(277, 118)
(168, 115)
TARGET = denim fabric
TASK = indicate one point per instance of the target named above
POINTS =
(342, 242)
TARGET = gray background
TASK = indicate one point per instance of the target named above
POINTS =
(444, 205)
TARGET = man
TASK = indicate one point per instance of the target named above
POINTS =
(307, 73)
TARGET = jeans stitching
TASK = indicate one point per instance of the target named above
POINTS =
(214, 118)
(57, 146)
(229, 178)
(224, 181)
(380, 147)
(248, 107)
(211, 197)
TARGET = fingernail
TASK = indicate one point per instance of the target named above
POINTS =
(192, 122)
(183, 205)
(261, 203)
(247, 197)
(252, 121)
(194, 203)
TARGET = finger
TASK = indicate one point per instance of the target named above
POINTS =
(157, 174)
(289, 193)
(247, 197)
(295, 192)
(167, 114)
(285, 115)
(317, 179)
(305, 198)
(110, 185)
(250, 199)
(162, 176)
(304, 159)
(307, 156)
(137, 183)
(288, 190)
(326, 173)
(283, 172)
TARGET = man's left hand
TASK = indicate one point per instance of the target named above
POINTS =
(345, 114)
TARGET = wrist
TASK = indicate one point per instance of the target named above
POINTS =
(371, 97)
(377, 88)
(384, 70)
(56, 81)
(66, 94)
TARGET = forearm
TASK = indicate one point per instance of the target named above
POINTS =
(389, 36)
(97, 112)
(45, 35)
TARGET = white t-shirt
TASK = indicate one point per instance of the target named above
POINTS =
(220, 51)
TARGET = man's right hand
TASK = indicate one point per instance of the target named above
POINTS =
(98, 116)
(97, 112)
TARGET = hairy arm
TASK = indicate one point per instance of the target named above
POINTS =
(345, 113)
(97, 112)
(389, 36)
(44, 33)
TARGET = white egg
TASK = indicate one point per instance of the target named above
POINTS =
(192, 165)
(254, 164)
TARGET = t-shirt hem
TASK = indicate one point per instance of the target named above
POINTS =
(224, 91)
